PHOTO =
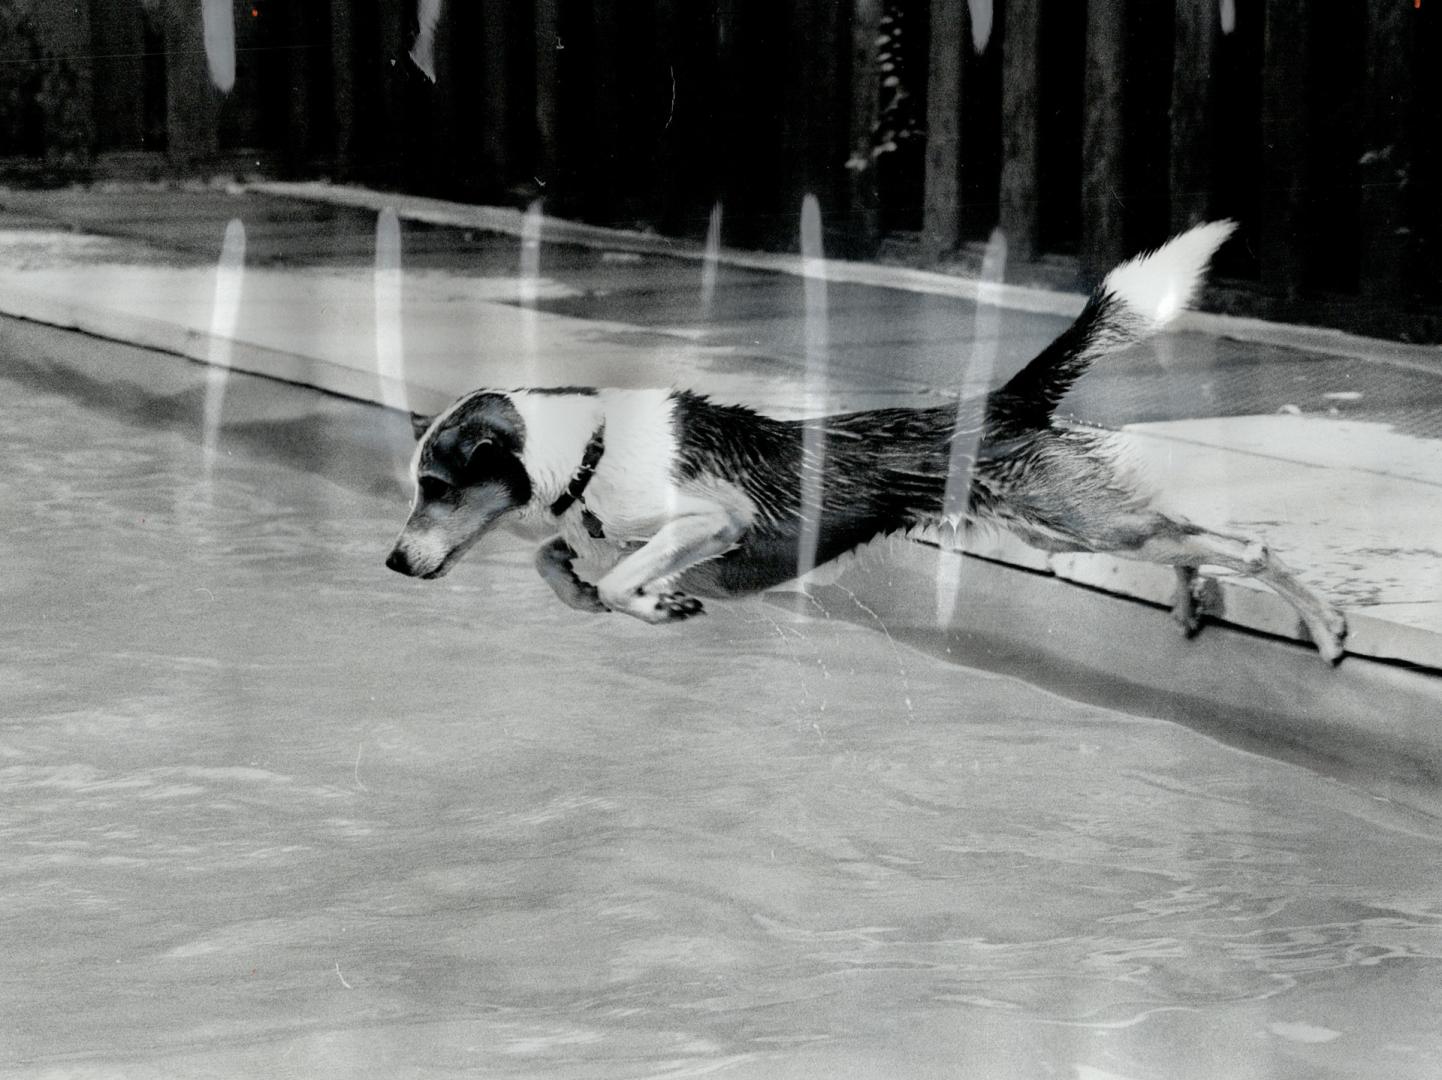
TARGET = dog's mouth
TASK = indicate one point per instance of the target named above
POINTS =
(400, 562)
(400, 558)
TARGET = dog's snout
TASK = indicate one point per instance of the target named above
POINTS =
(399, 562)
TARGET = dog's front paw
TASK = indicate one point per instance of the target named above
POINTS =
(553, 563)
(651, 607)
(675, 606)
(573, 591)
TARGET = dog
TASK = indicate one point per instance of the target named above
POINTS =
(682, 497)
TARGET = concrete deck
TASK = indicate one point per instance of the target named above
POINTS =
(1345, 483)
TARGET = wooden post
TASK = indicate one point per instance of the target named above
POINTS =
(192, 103)
(342, 52)
(1281, 247)
(1021, 57)
(65, 32)
(1193, 153)
(673, 192)
(447, 153)
(298, 66)
(604, 134)
(1104, 134)
(1387, 154)
(863, 204)
(814, 91)
(548, 89)
(392, 48)
(494, 85)
(117, 39)
(731, 168)
(941, 208)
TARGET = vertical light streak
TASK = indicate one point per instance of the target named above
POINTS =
(423, 52)
(709, 262)
(986, 340)
(217, 24)
(981, 21)
(224, 318)
(528, 288)
(390, 336)
(813, 443)
(1229, 16)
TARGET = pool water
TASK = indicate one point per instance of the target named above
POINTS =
(271, 810)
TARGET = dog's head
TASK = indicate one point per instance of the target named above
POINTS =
(468, 474)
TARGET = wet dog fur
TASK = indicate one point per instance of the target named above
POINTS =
(682, 497)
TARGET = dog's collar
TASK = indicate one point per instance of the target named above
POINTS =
(579, 479)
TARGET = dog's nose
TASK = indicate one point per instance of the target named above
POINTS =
(398, 562)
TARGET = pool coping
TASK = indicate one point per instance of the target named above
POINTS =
(509, 221)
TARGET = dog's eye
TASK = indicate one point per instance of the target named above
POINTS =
(434, 488)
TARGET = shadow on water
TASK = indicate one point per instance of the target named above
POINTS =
(1025, 636)
(348, 442)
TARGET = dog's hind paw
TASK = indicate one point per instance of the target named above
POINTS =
(1194, 597)
(1329, 636)
(1187, 616)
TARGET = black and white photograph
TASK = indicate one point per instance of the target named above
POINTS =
(650, 539)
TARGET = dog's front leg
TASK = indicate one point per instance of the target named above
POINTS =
(636, 584)
(553, 563)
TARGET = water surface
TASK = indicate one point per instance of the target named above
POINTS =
(270, 810)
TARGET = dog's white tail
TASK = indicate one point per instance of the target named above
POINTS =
(1157, 285)
(1133, 302)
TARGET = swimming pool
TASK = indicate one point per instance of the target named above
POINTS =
(272, 810)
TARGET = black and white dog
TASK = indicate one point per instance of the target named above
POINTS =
(682, 497)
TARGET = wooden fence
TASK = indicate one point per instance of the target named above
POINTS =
(1085, 128)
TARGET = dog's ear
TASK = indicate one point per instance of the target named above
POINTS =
(471, 451)
(486, 457)
(420, 424)
(489, 459)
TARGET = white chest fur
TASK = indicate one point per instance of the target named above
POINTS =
(633, 489)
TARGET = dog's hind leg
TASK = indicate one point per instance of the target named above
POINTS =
(1185, 608)
(636, 585)
(1187, 546)
(553, 563)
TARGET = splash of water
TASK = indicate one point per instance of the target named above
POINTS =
(981, 21)
(709, 261)
(802, 707)
(217, 23)
(895, 651)
(423, 52)
(813, 447)
(987, 339)
(390, 339)
(224, 318)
